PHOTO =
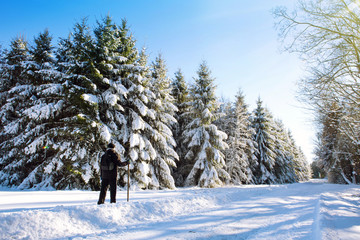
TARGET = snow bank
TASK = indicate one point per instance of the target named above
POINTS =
(310, 210)
(88, 218)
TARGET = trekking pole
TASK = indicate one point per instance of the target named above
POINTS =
(128, 182)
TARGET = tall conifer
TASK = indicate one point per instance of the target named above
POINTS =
(181, 95)
(162, 137)
(265, 142)
(204, 141)
(240, 156)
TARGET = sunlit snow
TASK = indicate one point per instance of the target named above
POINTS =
(310, 210)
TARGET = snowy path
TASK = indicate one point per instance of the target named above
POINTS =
(312, 210)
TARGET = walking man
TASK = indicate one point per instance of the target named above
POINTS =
(108, 172)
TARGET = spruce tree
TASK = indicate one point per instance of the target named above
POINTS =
(265, 143)
(42, 51)
(143, 58)
(204, 141)
(162, 138)
(180, 92)
(301, 167)
(127, 47)
(81, 131)
(14, 83)
(15, 61)
(34, 127)
(240, 157)
(108, 63)
(137, 133)
(284, 166)
(131, 117)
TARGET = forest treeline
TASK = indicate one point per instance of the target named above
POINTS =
(61, 105)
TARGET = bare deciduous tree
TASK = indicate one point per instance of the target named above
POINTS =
(326, 34)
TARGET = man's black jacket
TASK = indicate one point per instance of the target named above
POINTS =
(115, 158)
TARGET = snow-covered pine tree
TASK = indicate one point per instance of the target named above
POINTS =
(204, 141)
(301, 166)
(129, 86)
(13, 73)
(14, 65)
(108, 62)
(162, 137)
(81, 136)
(284, 166)
(41, 107)
(265, 144)
(143, 58)
(240, 156)
(127, 47)
(13, 77)
(227, 124)
(247, 132)
(180, 92)
(137, 133)
(135, 138)
(42, 68)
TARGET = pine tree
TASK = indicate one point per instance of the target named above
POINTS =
(137, 133)
(108, 63)
(143, 58)
(39, 108)
(13, 74)
(204, 141)
(265, 142)
(181, 96)
(132, 123)
(14, 82)
(162, 139)
(15, 59)
(42, 69)
(284, 165)
(300, 165)
(42, 53)
(81, 136)
(228, 124)
(127, 47)
(240, 157)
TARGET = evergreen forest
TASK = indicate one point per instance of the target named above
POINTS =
(60, 106)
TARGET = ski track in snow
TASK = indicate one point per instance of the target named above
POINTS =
(311, 210)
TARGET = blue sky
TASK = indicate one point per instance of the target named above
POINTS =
(237, 38)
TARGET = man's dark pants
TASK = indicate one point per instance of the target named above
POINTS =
(104, 187)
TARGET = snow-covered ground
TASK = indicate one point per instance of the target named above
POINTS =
(310, 210)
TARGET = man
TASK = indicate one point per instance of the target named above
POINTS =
(108, 172)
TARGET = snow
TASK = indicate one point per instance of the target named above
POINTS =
(90, 98)
(309, 210)
(110, 98)
(105, 132)
(43, 110)
(134, 140)
(138, 123)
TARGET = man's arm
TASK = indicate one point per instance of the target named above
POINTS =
(117, 160)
